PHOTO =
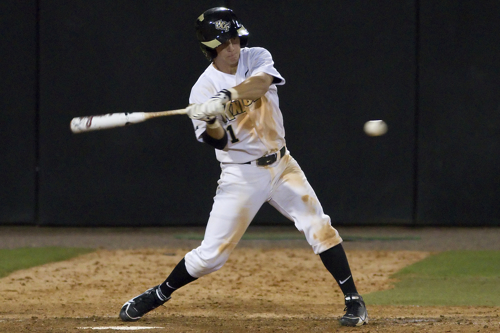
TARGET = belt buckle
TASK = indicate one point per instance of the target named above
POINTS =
(266, 160)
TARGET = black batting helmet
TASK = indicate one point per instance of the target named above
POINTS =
(216, 26)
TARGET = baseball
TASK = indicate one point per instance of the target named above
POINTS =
(375, 127)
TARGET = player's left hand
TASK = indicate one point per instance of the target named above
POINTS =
(213, 107)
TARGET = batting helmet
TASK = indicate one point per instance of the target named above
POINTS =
(216, 26)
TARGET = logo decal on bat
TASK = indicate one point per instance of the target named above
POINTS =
(89, 121)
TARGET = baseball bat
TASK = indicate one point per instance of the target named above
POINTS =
(112, 120)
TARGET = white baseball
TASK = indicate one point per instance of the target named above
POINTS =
(375, 127)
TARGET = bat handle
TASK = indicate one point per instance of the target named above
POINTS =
(149, 115)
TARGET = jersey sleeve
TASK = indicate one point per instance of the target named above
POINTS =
(261, 61)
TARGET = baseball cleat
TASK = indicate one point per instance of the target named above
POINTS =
(356, 314)
(138, 306)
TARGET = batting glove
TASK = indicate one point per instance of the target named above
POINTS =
(213, 107)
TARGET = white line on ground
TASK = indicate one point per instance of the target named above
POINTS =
(120, 328)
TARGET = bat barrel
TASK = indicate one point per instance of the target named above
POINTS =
(111, 120)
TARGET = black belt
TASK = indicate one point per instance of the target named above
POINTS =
(269, 159)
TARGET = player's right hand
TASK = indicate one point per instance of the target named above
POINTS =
(213, 107)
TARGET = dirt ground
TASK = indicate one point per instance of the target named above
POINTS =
(266, 286)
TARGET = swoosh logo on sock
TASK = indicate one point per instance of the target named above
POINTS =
(344, 281)
(170, 286)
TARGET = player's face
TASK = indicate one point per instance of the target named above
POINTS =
(229, 52)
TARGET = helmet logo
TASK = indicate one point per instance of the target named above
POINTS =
(222, 25)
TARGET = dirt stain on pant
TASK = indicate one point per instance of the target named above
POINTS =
(241, 226)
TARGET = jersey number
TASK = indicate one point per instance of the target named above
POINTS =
(231, 133)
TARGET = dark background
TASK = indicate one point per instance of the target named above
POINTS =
(430, 69)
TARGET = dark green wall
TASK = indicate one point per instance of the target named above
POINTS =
(18, 118)
(429, 69)
(459, 113)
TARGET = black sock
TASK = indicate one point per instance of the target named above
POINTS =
(178, 278)
(336, 262)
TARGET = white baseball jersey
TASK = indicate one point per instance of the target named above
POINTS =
(255, 128)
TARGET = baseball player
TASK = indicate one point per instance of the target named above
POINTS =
(234, 108)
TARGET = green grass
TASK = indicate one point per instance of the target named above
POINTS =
(296, 236)
(15, 259)
(247, 236)
(453, 278)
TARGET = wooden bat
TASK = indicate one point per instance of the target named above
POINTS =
(111, 120)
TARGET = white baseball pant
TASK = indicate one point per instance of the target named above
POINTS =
(242, 190)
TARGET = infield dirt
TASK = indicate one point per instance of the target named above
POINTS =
(262, 288)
